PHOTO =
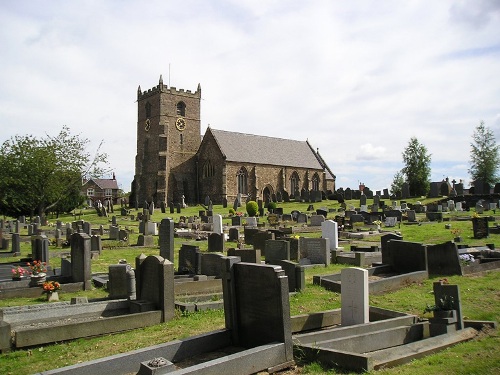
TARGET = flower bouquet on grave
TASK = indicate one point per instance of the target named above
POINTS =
(38, 275)
(50, 288)
(37, 267)
(18, 272)
(466, 259)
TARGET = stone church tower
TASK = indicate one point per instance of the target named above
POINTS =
(168, 137)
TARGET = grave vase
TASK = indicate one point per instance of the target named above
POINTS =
(38, 279)
(53, 297)
(17, 278)
(457, 239)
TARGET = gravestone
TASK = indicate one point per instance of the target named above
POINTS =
(121, 282)
(96, 243)
(216, 242)
(362, 200)
(412, 217)
(316, 220)
(212, 264)
(405, 190)
(40, 248)
(234, 234)
(276, 250)
(217, 222)
(354, 296)
(166, 239)
(113, 232)
(260, 238)
(480, 227)
(452, 292)
(329, 229)
(155, 285)
(256, 305)
(16, 243)
(80, 259)
(248, 234)
(317, 250)
(386, 251)
(246, 255)
(301, 218)
(251, 221)
(189, 259)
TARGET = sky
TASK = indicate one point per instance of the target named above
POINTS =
(357, 79)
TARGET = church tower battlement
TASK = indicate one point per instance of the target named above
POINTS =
(168, 136)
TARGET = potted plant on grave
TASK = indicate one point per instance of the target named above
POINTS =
(38, 271)
(18, 273)
(444, 308)
(51, 288)
(456, 235)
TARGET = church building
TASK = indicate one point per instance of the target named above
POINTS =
(174, 160)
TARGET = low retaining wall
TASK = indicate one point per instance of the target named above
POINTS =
(332, 282)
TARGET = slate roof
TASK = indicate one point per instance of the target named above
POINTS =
(104, 183)
(258, 149)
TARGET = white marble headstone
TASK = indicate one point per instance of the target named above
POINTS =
(329, 229)
(217, 221)
(354, 296)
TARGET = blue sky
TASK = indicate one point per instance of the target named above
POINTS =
(357, 79)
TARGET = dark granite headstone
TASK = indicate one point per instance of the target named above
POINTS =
(276, 250)
(216, 242)
(80, 259)
(166, 239)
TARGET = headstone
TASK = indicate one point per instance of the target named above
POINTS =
(329, 229)
(301, 218)
(166, 239)
(96, 244)
(234, 234)
(16, 243)
(317, 220)
(246, 255)
(121, 284)
(412, 217)
(189, 259)
(276, 250)
(40, 248)
(216, 242)
(236, 221)
(354, 296)
(251, 221)
(217, 222)
(155, 284)
(80, 259)
(362, 200)
(480, 227)
(317, 250)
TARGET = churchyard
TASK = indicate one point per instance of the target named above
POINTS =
(479, 290)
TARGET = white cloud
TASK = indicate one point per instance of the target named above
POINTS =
(356, 78)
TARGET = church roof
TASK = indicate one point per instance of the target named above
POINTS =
(258, 149)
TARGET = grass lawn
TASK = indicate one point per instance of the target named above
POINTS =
(480, 301)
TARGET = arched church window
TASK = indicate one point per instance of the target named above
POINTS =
(148, 109)
(294, 184)
(242, 181)
(181, 109)
(208, 169)
(315, 182)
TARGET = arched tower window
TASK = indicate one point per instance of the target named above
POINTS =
(315, 182)
(148, 109)
(242, 181)
(208, 169)
(294, 184)
(181, 109)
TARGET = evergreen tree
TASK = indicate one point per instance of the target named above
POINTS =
(417, 167)
(484, 155)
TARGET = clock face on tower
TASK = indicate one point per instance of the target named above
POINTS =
(180, 124)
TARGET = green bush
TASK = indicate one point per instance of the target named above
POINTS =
(232, 211)
(271, 206)
(252, 208)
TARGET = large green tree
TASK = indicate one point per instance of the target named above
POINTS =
(397, 183)
(484, 155)
(38, 175)
(417, 167)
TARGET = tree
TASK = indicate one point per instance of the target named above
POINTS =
(484, 155)
(43, 174)
(417, 167)
(397, 183)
